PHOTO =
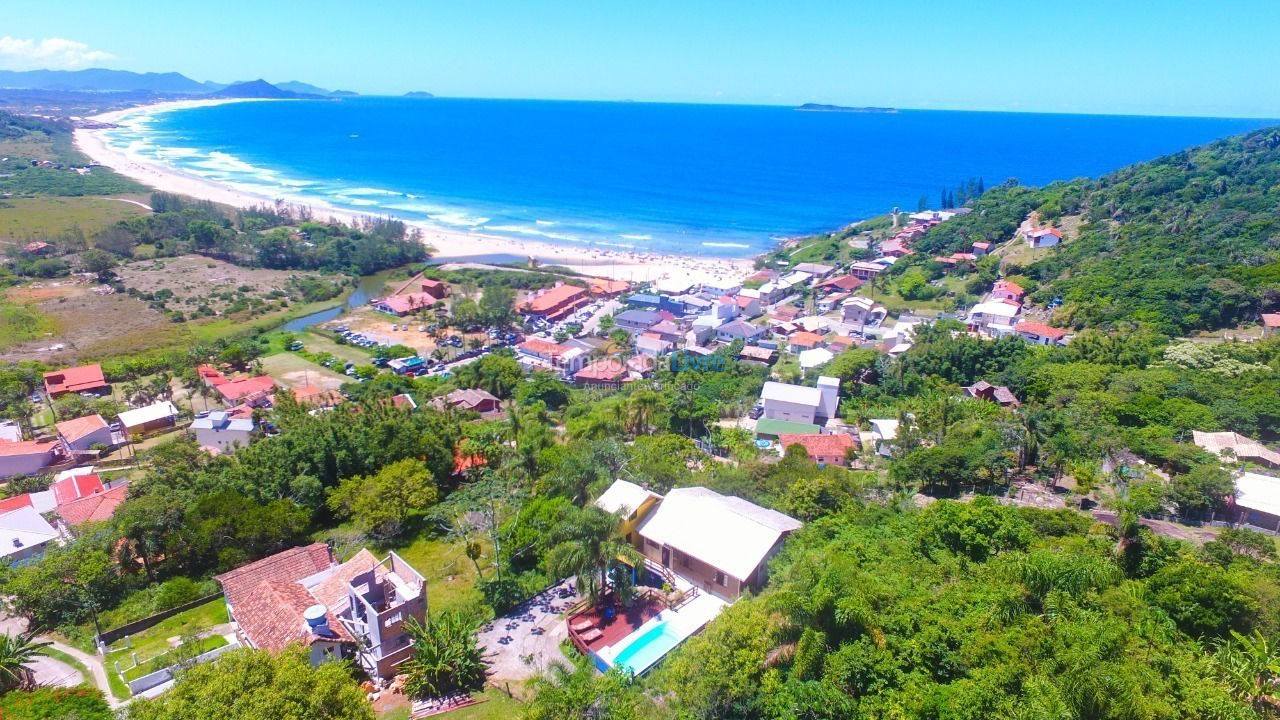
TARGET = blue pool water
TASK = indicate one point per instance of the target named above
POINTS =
(722, 180)
(644, 651)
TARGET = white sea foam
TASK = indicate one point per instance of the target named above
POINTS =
(725, 245)
(366, 191)
(458, 219)
(636, 237)
(546, 222)
(526, 230)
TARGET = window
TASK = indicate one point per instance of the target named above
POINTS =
(720, 578)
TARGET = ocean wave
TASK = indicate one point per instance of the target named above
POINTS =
(526, 230)
(366, 191)
(459, 219)
(545, 222)
(725, 245)
(635, 237)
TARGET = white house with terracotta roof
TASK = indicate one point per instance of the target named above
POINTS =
(80, 435)
(27, 457)
(833, 449)
(1008, 290)
(1044, 237)
(1232, 446)
(1040, 334)
(994, 312)
(354, 610)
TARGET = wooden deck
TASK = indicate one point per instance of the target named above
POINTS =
(612, 629)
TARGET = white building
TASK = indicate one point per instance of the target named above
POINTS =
(24, 536)
(800, 404)
(995, 312)
(222, 432)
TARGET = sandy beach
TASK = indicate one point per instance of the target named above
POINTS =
(448, 242)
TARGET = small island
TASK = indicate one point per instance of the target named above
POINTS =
(419, 94)
(819, 107)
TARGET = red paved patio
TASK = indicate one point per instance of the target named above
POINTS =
(612, 629)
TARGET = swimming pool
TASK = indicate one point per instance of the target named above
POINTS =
(649, 647)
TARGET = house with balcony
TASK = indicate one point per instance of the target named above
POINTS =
(697, 538)
(355, 610)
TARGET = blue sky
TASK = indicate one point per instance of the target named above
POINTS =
(1174, 57)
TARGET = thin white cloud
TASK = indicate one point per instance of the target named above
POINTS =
(47, 54)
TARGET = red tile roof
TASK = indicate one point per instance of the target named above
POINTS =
(541, 347)
(1009, 287)
(27, 447)
(268, 602)
(94, 508)
(1034, 328)
(805, 339)
(1271, 319)
(401, 304)
(603, 370)
(847, 283)
(211, 375)
(76, 379)
(76, 487)
(554, 298)
(602, 286)
(825, 446)
(81, 427)
(236, 389)
(10, 504)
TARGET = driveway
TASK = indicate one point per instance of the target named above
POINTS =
(56, 670)
(526, 640)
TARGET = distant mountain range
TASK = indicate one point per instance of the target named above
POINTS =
(261, 89)
(418, 94)
(103, 80)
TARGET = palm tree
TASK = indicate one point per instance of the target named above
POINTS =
(587, 543)
(1250, 666)
(16, 651)
(642, 408)
(1033, 434)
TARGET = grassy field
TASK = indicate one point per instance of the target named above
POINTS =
(48, 217)
(232, 326)
(318, 343)
(22, 323)
(295, 371)
(451, 578)
(149, 665)
(497, 706)
(155, 640)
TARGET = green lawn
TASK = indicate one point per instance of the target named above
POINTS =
(155, 640)
(148, 665)
(450, 575)
(294, 370)
(235, 326)
(318, 343)
(497, 707)
(51, 216)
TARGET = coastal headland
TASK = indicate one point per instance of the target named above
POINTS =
(453, 243)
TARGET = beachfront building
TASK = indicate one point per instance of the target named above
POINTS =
(353, 610)
(556, 303)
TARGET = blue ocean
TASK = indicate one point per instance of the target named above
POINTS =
(723, 180)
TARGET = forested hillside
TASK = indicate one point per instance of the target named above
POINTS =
(1188, 241)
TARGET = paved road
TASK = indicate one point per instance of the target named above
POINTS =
(54, 672)
(593, 322)
(12, 625)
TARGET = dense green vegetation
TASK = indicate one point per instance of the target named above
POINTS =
(1185, 242)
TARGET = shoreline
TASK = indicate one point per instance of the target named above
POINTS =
(636, 266)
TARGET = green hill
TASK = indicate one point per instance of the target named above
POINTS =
(1189, 241)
